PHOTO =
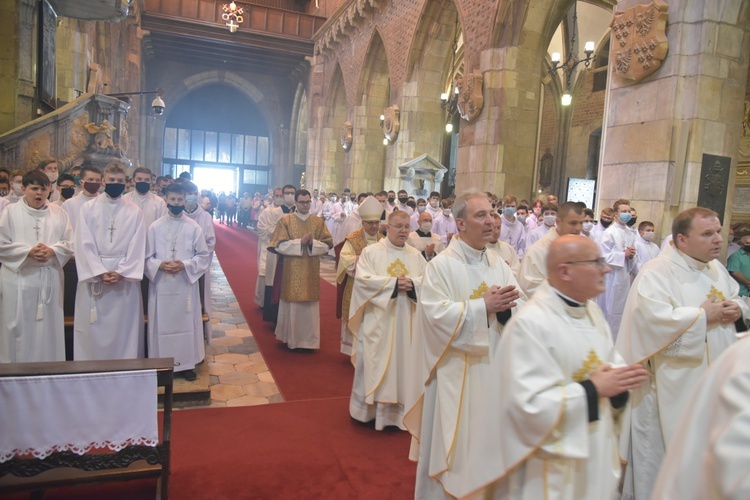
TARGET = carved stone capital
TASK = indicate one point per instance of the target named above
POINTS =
(391, 123)
(346, 135)
(470, 98)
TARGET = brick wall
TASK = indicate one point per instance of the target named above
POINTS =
(588, 106)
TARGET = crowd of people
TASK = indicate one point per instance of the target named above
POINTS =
(122, 232)
(529, 349)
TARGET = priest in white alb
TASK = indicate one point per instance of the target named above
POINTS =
(270, 221)
(370, 210)
(36, 241)
(110, 249)
(383, 307)
(300, 238)
(424, 240)
(468, 293)
(550, 423)
(682, 312)
(176, 258)
(712, 457)
(267, 220)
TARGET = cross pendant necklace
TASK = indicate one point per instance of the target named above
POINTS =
(112, 216)
(36, 227)
(111, 229)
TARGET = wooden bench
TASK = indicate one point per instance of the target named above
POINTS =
(67, 468)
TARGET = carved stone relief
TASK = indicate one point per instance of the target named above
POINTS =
(346, 135)
(470, 99)
(391, 124)
(639, 42)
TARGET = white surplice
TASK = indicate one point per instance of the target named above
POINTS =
(420, 241)
(31, 292)
(664, 328)
(206, 223)
(644, 252)
(616, 238)
(4, 203)
(442, 226)
(352, 223)
(73, 207)
(267, 221)
(534, 264)
(109, 318)
(175, 327)
(451, 362)
(514, 234)
(711, 459)
(384, 326)
(508, 254)
(153, 207)
(537, 234)
(534, 438)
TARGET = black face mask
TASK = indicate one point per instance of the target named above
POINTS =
(142, 187)
(605, 223)
(403, 200)
(391, 200)
(92, 187)
(176, 209)
(114, 190)
(746, 249)
(631, 222)
(68, 192)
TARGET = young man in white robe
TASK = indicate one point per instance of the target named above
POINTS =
(534, 265)
(433, 204)
(301, 239)
(681, 314)
(549, 428)
(267, 220)
(66, 188)
(206, 223)
(368, 234)
(91, 181)
(711, 458)
(618, 249)
(645, 248)
(382, 314)
(270, 221)
(546, 223)
(176, 258)
(153, 206)
(444, 224)
(504, 250)
(424, 240)
(353, 222)
(466, 297)
(35, 243)
(513, 232)
(110, 249)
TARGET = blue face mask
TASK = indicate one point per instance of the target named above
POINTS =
(625, 217)
(509, 211)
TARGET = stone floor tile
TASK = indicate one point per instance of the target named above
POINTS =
(227, 341)
(234, 304)
(243, 348)
(231, 358)
(217, 404)
(257, 357)
(247, 401)
(275, 398)
(233, 321)
(223, 392)
(239, 333)
(221, 315)
(251, 367)
(238, 378)
(265, 377)
(214, 349)
(223, 327)
(220, 368)
(261, 389)
(214, 379)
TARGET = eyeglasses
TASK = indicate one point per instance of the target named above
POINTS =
(400, 228)
(304, 202)
(599, 263)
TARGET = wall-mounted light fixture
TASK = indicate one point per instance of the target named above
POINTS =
(572, 61)
(157, 104)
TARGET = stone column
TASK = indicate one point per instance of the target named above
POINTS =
(690, 106)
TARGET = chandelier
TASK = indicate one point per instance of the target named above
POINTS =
(572, 61)
(232, 16)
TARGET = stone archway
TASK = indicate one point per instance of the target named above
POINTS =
(298, 128)
(368, 153)
(326, 157)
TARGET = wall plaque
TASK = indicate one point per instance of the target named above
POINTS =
(714, 180)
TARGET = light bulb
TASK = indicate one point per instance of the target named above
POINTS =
(449, 127)
(555, 57)
(444, 96)
(456, 91)
(567, 98)
(589, 47)
(382, 118)
(385, 141)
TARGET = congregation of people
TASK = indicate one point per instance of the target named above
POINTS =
(123, 233)
(531, 350)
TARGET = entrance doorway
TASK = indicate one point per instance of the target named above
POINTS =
(216, 179)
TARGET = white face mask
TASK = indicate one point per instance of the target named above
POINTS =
(648, 236)
(433, 203)
(587, 226)
(191, 200)
(521, 218)
(52, 176)
(447, 212)
(278, 201)
(550, 220)
(288, 199)
(421, 208)
(17, 188)
(425, 227)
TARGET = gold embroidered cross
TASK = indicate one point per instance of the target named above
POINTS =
(589, 366)
(397, 269)
(479, 292)
(715, 295)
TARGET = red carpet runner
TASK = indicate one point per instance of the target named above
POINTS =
(307, 447)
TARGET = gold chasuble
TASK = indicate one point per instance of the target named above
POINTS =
(300, 274)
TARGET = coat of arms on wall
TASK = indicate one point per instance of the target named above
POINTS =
(391, 124)
(346, 135)
(470, 99)
(639, 43)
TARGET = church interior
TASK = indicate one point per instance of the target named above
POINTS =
(585, 100)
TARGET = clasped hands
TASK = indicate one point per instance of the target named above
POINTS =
(306, 240)
(41, 252)
(497, 299)
(722, 311)
(611, 381)
(172, 266)
(405, 284)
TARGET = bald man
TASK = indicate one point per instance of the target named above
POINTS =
(549, 426)
(424, 240)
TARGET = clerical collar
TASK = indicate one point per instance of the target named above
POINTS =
(471, 252)
(302, 217)
(288, 210)
(428, 234)
(566, 299)
(693, 263)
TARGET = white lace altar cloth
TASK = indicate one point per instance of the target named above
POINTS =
(43, 414)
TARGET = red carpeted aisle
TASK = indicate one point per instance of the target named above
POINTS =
(322, 374)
